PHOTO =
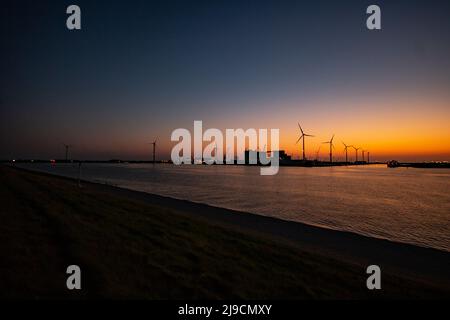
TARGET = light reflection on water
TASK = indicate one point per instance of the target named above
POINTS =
(407, 205)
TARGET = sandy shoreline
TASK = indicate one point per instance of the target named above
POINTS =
(422, 265)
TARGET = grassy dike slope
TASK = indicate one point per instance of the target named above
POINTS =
(128, 248)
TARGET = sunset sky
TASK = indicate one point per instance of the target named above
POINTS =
(140, 69)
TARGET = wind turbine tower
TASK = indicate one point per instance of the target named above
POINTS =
(317, 153)
(154, 150)
(67, 147)
(356, 150)
(346, 151)
(302, 137)
(331, 147)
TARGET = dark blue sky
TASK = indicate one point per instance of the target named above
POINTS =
(139, 69)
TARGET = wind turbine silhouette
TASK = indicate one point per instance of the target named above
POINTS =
(346, 151)
(67, 147)
(154, 149)
(331, 147)
(302, 137)
(317, 153)
(356, 150)
(363, 151)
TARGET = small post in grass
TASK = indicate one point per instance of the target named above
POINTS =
(79, 174)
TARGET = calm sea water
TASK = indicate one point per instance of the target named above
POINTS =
(405, 205)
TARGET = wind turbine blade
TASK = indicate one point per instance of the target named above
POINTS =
(299, 139)
(308, 135)
(300, 127)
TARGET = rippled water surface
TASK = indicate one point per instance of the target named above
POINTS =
(407, 205)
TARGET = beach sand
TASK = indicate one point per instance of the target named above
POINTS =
(133, 245)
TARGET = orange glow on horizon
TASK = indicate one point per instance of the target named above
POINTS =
(413, 128)
(405, 129)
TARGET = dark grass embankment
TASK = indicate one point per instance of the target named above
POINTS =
(128, 247)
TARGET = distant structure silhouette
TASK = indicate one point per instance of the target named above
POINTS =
(331, 147)
(215, 152)
(346, 151)
(317, 153)
(67, 147)
(154, 150)
(79, 174)
(356, 151)
(302, 137)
